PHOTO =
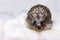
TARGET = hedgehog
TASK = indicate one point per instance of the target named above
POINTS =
(39, 18)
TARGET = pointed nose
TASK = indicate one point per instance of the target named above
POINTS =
(38, 26)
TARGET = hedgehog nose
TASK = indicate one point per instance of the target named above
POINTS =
(38, 27)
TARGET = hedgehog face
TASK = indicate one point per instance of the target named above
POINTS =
(37, 15)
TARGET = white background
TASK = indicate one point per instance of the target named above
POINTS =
(11, 8)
